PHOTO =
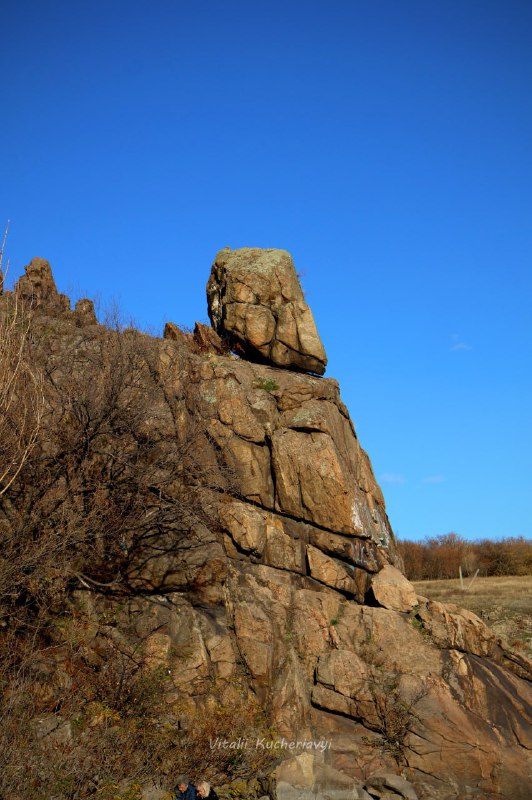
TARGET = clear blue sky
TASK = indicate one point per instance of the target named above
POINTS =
(387, 144)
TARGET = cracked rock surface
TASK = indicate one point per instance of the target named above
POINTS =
(256, 302)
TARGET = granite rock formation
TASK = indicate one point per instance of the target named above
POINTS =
(297, 592)
(255, 301)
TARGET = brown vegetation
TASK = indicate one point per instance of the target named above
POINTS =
(109, 725)
(441, 557)
(102, 489)
(21, 389)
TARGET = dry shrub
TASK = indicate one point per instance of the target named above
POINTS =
(393, 714)
(113, 485)
(21, 391)
(111, 729)
(204, 748)
(105, 492)
(85, 746)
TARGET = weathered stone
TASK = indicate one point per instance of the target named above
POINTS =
(303, 776)
(236, 413)
(254, 632)
(261, 604)
(38, 287)
(174, 334)
(378, 784)
(246, 525)
(331, 572)
(359, 553)
(456, 628)
(208, 340)
(282, 551)
(256, 302)
(392, 590)
(343, 671)
(262, 533)
(85, 313)
(311, 481)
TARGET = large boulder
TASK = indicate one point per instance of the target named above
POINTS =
(256, 303)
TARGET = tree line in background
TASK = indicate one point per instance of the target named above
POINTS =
(441, 557)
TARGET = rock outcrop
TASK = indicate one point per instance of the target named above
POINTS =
(255, 301)
(37, 287)
(297, 591)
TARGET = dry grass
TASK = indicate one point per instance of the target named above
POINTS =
(504, 603)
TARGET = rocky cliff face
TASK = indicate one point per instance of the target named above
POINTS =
(297, 590)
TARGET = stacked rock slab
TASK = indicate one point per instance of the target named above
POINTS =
(256, 302)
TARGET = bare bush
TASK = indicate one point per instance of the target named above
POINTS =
(21, 386)
(110, 727)
(113, 485)
(394, 714)
(107, 494)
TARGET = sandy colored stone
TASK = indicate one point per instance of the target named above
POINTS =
(237, 414)
(383, 783)
(282, 551)
(251, 464)
(392, 590)
(207, 340)
(456, 628)
(253, 630)
(358, 552)
(174, 334)
(37, 285)
(344, 671)
(286, 474)
(331, 572)
(246, 525)
(255, 301)
(311, 481)
(85, 313)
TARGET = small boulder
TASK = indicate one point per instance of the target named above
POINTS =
(392, 590)
(174, 334)
(256, 303)
(388, 785)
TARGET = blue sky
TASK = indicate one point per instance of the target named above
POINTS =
(386, 144)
